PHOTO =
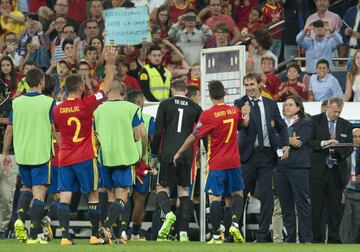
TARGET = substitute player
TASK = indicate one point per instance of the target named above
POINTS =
(117, 126)
(175, 120)
(31, 129)
(143, 175)
(77, 156)
(220, 123)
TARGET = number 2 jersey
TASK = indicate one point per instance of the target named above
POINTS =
(175, 120)
(73, 118)
(220, 124)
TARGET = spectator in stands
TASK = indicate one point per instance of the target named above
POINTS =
(352, 33)
(61, 9)
(11, 20)
(154, 78)
(95, 13)
(216, 17)
(163, 20)
(56, 26)
(91, 30)
(319, 47)
(129, 81)
(294, 15)
(221, 35)
(332, 20)
(292, 174)
(11, 46)
(323, 85)
(9, 75)
(91, 84)
(272, 13)
(292, 86)
(45, 14)
(269, 80)
(177, 8)
(178, 66)
(353, 79)
(119, 3)
(23, 86)
(70, 53)
(241, 9)
(252, 23)
(67, 32)
(195, 75)
(155, 33)
(91, 56)
(8, 176)
(34, 34)
(188, 37)
(259, 47)
(98, 43)
(350, 224)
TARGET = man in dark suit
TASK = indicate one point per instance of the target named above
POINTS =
(328, 173)
(258, 145)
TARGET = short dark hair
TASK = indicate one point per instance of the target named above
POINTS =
(294, 65)
(152, 48)
(90, 21)
(190, 10)
(298, 103)
(216, 89)
(67, 41)
(123, 62)
(179, 85)
(67, 25)
(192, 91)
(133, 95)
(89, 48)
(73, 82)
(222, 27)
(29, 63)
(263, 38)
(323, 61)
(252, 76)
(49, 85)
(34, 76)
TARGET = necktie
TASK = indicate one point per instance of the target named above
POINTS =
(332, 130)
(331, 162)
(258, 123)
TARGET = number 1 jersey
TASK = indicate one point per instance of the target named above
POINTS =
(175, 119)
(220, 124)
(73, 119)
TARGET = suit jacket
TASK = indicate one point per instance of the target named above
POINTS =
(320, 132)
(350, 18)
(276, 126)
(300, 157)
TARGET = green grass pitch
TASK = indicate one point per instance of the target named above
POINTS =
(149, 246)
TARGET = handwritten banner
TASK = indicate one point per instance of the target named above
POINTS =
(126, 26)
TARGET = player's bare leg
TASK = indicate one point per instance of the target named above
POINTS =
(163, 201)
(186, 211)
(36, 214)
(115, 210)
(237, 209)
(138, 213)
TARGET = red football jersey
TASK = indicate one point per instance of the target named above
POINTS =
(55, 158)
(220, 124)
(73, 119)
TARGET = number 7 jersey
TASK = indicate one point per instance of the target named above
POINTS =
(73, 119)
(219, 123)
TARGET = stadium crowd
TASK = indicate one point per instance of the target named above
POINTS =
(309, 190)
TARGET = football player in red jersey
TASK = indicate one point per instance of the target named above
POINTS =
(77, 156)
(220, 123)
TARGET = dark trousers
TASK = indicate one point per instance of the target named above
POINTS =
(350, 224)
(259, 170)
(293, 189)
(326, 194)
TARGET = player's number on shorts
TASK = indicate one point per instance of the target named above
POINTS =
(76, 138)
(181, 114)
(231, 121)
